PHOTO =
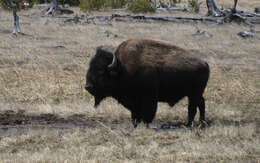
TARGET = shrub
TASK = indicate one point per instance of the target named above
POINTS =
(174, 2)
(99, 4)
(6, 4)
(194, 5)
(69, 2)
(115, 3)
(141, 6)
(60, 2)
(91, 4)
(257, 10)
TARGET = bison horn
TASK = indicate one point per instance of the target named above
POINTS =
(114, 61)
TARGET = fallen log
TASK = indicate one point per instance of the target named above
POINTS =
(247, 14)
(128, 17)
(184, 9)
(246, 34)
(167, 18)
(254, 20)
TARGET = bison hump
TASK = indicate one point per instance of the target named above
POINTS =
(150, 53)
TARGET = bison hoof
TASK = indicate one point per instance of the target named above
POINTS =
(189, 125)
(135, 122)
(147, 125)
(203, 124)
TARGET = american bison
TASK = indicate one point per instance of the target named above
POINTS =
(143, 72)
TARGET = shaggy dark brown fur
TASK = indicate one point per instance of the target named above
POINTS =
(145, 72)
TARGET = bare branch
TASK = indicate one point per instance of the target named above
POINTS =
(200, 32)
(54, 8)
(246, 34)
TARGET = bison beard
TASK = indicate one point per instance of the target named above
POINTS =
(143, 72)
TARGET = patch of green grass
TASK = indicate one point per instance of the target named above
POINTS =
(91, 4)
(87, 5)
(174, 2)
(141, 6)
(194, 5)
(5, 4)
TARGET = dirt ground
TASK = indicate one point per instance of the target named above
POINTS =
(47, 116)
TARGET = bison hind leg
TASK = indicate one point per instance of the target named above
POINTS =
(192, 110)
(201, 106)
(195, 102)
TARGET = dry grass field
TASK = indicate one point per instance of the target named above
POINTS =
(47, 116)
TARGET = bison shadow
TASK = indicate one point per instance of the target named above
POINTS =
(10, 118)
(174, 126)
(13, 118)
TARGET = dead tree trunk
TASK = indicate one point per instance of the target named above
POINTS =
(213, 9)
(234, 10)
(52, 8)
(232, 14)
(17, 28)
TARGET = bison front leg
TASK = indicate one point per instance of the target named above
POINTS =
(149, 108)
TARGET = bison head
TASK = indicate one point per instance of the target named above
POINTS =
(101, 78)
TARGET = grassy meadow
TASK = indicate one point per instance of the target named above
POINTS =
(47, 116)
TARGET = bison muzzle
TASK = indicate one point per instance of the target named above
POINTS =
(143, 72)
